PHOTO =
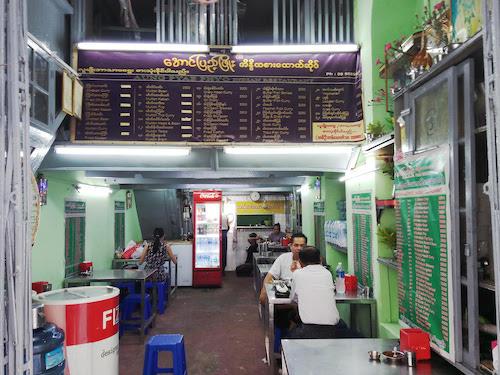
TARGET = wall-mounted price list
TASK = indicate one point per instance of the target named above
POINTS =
(422, 242)
(362, 210)
(281, 100)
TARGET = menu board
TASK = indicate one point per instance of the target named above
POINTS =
(219, 98)
(422, 206)
(362, 210)
(74, 238)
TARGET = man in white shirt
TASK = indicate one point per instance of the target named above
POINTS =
(284, 266)
(312, 286)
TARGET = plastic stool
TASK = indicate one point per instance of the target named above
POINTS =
(128, 286)
(277, 339)
(165, 343)
(162, 293)
(127, 307)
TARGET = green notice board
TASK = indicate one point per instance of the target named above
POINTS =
(362, 210)
(422, 222)
(74, 246)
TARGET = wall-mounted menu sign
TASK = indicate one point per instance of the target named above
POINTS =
(362, 211)
(260, 208)
(425, 293)
(219, 98)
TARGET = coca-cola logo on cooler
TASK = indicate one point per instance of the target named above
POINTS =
(209, 195)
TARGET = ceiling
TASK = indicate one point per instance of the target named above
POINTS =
(203, 168)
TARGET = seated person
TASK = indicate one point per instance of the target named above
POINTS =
(246, 269)
(276, 235)
(285, 264)
(253, 248)
(312, 286)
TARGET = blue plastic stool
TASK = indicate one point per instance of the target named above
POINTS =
(277, 339)
(127, 308)
(129, 286)
(162, 289)
(165, 343)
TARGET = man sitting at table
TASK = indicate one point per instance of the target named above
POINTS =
(312, 286)
(285, 264)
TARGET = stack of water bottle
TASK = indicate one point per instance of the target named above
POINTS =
(336, 232)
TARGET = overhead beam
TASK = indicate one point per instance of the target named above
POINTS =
(286, 181)
(199, 174)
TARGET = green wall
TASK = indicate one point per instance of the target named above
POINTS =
(385, 283)
(332, 190)
(376, 23)
(307, 194)
(48, 251)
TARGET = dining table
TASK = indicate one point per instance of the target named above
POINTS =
(350, 356)
(118, 276)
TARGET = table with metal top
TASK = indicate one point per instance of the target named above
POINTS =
(272, 303)
(262, 270)
(119, 263)
(278, 248)
(115, 276)
(350, 356)
(261, 259)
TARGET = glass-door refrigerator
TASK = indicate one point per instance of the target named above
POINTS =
(207, 244)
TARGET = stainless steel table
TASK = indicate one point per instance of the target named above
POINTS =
(272, 302)
(118, 264)
(111, 276)
(259, 259)
(262, 270)
(350, 356)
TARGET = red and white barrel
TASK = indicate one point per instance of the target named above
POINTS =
(89, 316)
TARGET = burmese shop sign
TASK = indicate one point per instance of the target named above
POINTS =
(220, 98)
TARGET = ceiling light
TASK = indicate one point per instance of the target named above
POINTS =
(146, 47)
(93, 190)
(287, 150)
(295, 48)
(122, 150)
(303, 189)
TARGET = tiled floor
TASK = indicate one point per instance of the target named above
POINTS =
(221, 328)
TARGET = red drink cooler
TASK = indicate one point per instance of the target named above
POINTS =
(89, 317)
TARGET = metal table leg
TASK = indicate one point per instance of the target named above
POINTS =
(270, 335)
(143, 300)
(373, 319)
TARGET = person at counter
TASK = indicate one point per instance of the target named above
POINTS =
(156, 253)
(285, 264)
(276, 235)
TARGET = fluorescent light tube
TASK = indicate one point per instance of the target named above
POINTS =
(303, 189)
(146, 47)
(93, 190)
(295, 48)
(288, 150)
(122, 151)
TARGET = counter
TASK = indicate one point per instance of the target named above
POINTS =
(350, 356)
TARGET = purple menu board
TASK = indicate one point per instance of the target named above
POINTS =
(219, 98)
